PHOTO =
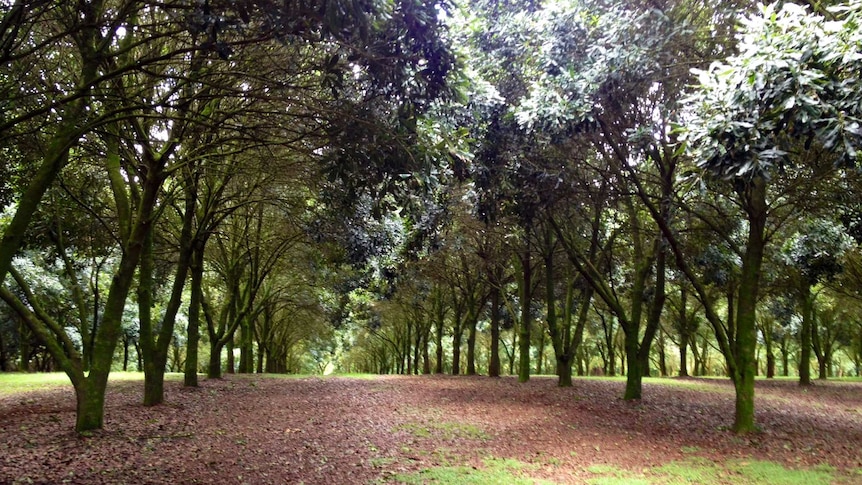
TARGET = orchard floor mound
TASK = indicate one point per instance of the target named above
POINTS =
(264, 429)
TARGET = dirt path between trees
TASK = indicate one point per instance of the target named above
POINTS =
(257, 430)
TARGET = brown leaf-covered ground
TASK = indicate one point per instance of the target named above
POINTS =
(259, 429)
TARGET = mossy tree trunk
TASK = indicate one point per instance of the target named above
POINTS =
(190, 378)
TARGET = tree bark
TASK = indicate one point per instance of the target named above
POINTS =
(494, 363)
(472, 322)
(806, 301)
(634, 370)
(438, 336)
(458, 330)
(684, 331)
(526, 319)
(246, 346)
(154, 363)
(745, 344)
(190, 377)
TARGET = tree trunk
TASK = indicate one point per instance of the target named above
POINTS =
(438, 336)
(154, 360)
(580, 358)
(4, 355)
(246, 346)
(807, 304)
(683, 359)
(140, 360)
(426, 349)
(745, 344)
(259, 357)
(190, 378)
(231, 359)
(407, 367)
(540, 353)
(125, 354)
(684, 331)
(634, 371)
(494, 363)
(704, 357)
(23, 347)
(214, 367)
(662, 360)
(154, 384)
(510, 352)
(564, 371)
(572, 339)
(471, 342)
(456, 346)
(157, 345)
(526, 320)
(823, 369)
(90, 403)
(698, 366)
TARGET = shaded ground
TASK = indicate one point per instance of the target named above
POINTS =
(256, 429)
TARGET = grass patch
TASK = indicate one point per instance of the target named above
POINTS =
(744, 471)
(381, 462)
(445, 430)
(274, 376)
(611, 475)
(365, 377)
(17, 382)
(14, 383)
(702, 384)
(705, 472)
(494, 471)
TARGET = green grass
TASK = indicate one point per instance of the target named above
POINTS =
(368, 377)
(446, 430)
(705, 472)
(494, 471)
(15, 383)
(273, 376)
(702, 384)
(18, 382)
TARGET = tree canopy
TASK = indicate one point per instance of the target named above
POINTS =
(407, 186)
